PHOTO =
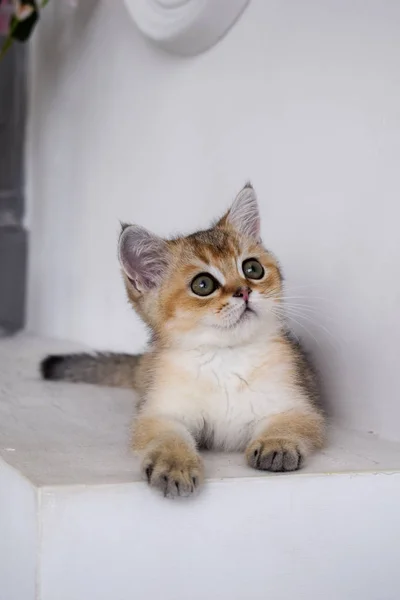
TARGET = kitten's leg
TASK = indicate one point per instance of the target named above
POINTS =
(171, 462)
(285, 440)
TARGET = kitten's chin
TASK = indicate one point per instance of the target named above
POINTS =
(249, 327)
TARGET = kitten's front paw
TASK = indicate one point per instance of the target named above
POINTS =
(274, 454)
(175, 469)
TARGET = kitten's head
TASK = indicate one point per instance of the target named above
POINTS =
(216, 287)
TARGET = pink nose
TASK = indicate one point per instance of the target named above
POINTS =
(243, 292)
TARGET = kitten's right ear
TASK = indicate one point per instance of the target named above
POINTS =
(143, 257)
(244, 214)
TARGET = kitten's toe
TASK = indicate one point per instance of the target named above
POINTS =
(172, 473)
(277, 455)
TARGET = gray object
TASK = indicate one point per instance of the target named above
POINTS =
(13, 237)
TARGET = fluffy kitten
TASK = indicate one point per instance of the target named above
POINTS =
(221, 371)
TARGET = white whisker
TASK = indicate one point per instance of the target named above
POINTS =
(310, 298)
(306, 329)
(315, 323)
(290, 287)
(310, 309)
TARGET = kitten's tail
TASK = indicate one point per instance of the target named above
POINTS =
(115, 370)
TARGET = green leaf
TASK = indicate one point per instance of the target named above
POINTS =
(8, 42)
(22, 30)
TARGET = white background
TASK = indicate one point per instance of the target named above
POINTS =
(303, 98)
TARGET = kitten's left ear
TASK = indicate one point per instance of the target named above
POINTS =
(244, 214)
(143, 256)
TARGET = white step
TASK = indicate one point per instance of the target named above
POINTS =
(77, 522)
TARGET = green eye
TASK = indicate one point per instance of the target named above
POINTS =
(252, 269)
(204, 285)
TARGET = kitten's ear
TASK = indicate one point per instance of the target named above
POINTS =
(244, 214)
(143, 257)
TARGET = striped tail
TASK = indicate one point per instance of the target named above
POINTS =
(114, 370)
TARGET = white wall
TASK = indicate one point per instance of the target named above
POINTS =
(301, 97)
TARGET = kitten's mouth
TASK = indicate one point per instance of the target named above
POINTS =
(246, 314)
(247, 311)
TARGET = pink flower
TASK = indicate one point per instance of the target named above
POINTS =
(6, 10)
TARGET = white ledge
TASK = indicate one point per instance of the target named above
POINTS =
(68, 434)
(77, 522)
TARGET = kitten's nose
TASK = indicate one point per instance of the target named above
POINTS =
(243, 292)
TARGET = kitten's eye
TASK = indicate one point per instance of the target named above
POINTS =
(252, 269)
(204, 285)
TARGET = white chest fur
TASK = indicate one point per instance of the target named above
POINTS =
(225, 392)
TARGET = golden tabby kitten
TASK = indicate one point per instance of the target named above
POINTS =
(221, 371)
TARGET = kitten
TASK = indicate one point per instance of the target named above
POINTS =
(222, 371)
